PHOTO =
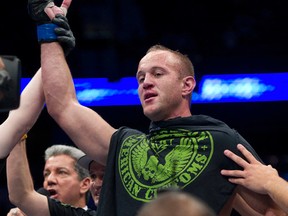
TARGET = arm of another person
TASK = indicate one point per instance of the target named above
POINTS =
(258, 178)
(88, 130)
(20, 184)
(20, 121)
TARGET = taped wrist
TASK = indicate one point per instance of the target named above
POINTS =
(46, 33)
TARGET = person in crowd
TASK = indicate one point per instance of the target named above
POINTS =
(180, 150)
(96, 172)
(65, 180)
(258, 177)
(175, 203)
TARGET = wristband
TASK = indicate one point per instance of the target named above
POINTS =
(45, 32)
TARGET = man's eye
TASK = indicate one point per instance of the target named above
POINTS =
(62, 172)
(93, 176)
(141, 79)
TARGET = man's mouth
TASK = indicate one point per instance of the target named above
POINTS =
(52, 193)
(149, 95)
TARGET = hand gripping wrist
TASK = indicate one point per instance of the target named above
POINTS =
(64, 34)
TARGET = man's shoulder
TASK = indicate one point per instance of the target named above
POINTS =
(58, 208)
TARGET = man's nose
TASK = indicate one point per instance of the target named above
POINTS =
(147, 82)
(51, 178)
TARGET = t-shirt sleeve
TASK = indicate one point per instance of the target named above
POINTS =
(245, 143)
(2, 163)
(57, 208)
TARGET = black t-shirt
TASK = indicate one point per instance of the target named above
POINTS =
(57, 208)
(186, 153)
(2, 163)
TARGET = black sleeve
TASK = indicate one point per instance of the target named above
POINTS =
(243, 141)
(57, 208)
(2, 163)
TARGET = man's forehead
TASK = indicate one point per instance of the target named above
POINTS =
(60, 159)
(94, 166)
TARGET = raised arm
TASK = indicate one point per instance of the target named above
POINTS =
(20, 185)
(84, 126)
(21, 120)
(260, 178)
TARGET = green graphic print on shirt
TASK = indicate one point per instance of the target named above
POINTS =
(166, 158)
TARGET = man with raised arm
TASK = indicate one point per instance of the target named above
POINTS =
(32, 99)
(181, 150)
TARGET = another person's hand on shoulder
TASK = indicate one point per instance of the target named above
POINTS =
(257, 177)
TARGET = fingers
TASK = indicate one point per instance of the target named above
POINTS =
(240, 161)
(234, 173)
(248, 155)
(65, 5)
(238, 181)
(51, 10)
(14, 212)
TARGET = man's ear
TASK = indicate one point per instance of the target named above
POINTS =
(85, 185)
(189, 84)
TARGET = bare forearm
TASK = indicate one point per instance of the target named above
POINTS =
(57, 80)
(85, 127)
(19, 180)
(22, 119)
(20, 184)
(278, 191)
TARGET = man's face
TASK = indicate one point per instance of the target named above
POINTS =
(160, 86)
(61, 179)
(96, 171)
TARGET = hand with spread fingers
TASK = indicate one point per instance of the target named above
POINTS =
(42, 11)
(258, 177)
(52, 10)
